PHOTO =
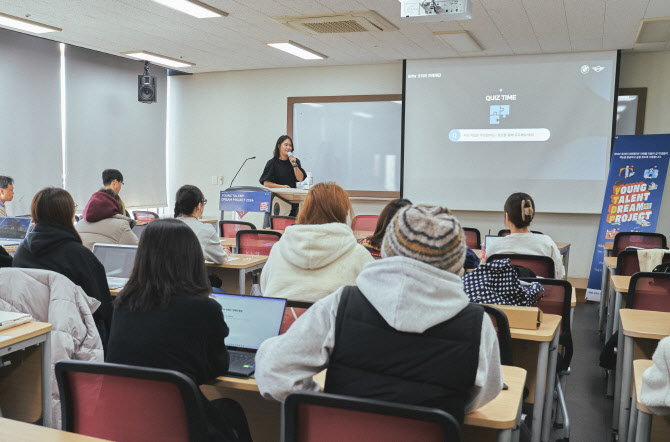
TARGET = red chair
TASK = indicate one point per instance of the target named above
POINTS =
(144, 216)
(627, 263)
(229, 229)
(282, 222)
(501, 324)
(540, 265)
(642, 240)
(649, 291)
(366, 223)
(473, 238)
(310, 417)
(505, 232)
(256, 242)
(128, 404)
(293, 310)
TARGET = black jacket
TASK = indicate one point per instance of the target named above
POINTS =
(59, 249)
(5, 258)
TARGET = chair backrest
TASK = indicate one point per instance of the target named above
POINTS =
(556, 301)
(229, 229)
(282, 222)
(126, 403)
(293, 310)
(540, 265)
(649, 291)
(144, 216)
(256, 242)
(364, 222)
(642, 240)
(473, 238)
(334, 418)
(501, 325)
(505, 232)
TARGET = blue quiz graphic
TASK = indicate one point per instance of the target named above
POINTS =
(497, 111)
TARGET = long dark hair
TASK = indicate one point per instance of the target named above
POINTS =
(187, 199)
(281, 140)
(54, 206)
(520, 209)
(385, 217)
(169, 260)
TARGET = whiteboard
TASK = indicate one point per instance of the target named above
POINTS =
(355, 144)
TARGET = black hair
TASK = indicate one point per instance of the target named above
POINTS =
(54, 206)
(280, 140)
(6, 181)
(111, 193)
(169, 260)
(520, 209)
(109, 175)
(187, 199)
(385, 217)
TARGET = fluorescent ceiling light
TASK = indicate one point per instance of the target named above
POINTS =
(297, 50)
(193, 7)
(158, 59)
(654, 30)
(460, 41)
(26, 25)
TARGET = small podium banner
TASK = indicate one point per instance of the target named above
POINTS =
(243, 202)
(632, 197)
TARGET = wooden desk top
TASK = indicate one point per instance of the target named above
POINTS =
(573, 298)
(639, 367)
(610, 262)
(500, 413)
(242, 262)
(228, 242)
(609, 245)
(11, 249)
(209, 221)
(562, 246)
(23, 332)
(645, 324)
(544, 333)
(620, 283)
(22, 432)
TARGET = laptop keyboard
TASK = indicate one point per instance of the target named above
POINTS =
(245, 360)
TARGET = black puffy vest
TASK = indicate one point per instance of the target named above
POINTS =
(371, 359)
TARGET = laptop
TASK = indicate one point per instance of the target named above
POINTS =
(251, 320)
(13, 230)
(118, 261)
(138, 229)
(490, 239)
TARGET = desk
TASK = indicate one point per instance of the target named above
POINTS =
(609, 248)
(11, 249)
(609, 265)
(243, 265)
(265, 416)
(633, 324)
(231, 243)
(209, 221)
(617, 288)
(15, 431)
(27, 335)
(640, 426)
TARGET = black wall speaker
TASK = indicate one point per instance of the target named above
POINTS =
(146, 88)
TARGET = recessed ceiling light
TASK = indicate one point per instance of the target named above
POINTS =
(158, 59)
(460, 41)
(297, 50)
(654, 30)
(193, 7)
(26, 25)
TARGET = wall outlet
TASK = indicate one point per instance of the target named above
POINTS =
(215, 180)
(220, 180)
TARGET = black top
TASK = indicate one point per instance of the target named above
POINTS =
(5, 258)
(57, 248)
(281, 172)
(187, 336)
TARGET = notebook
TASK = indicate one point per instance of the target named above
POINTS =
(13, 230)
(118, 261)
(12, 319)
(251, 320)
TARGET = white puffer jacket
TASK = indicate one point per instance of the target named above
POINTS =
(51, 297)
(311, 261)
(655, 394)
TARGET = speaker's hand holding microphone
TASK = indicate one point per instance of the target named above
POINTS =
(293, 159)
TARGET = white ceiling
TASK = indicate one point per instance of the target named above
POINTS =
(502, 27)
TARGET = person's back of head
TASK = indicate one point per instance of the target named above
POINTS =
(169, 260)
(109, 175)
(520, 209)
(53, 205)
(385, 217)
(428, 234)
(187, 200)
(325, 203)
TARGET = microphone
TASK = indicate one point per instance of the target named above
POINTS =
(238, 170)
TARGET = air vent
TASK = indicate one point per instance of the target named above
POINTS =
(654, 30)
(342, 23)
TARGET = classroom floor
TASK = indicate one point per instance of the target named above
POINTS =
(590, 411)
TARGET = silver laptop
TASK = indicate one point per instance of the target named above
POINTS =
(118, 261)
(490, 239)
(251, 320)
(13, 230)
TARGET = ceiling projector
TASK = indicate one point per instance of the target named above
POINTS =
(435, 10)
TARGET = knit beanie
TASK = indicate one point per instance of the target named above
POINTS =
(428, 234)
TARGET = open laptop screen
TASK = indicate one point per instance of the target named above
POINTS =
(14, 227)
(490, 239)
(118, 260)
(251, 319)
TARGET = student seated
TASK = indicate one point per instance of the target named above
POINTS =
(188, 207)
(519, 213)
(317, 254)
(103, 222)
(5, 258)
(55, 245)
(164, 318)
(373, 243)
(404, 333)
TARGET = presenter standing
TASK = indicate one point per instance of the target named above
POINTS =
(284, 169)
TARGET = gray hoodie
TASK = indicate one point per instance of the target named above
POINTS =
(410, 295)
